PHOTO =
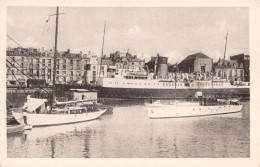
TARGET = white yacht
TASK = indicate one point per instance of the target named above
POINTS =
(191, 109)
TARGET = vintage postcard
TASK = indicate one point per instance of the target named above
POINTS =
(129, 83)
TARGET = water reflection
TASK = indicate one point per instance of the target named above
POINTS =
(130, 133)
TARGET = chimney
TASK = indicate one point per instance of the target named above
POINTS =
(68, 50)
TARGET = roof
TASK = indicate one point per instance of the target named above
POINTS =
(32, 104)
(105, 61)
(197, 55)
(136, 60)
(228, 63)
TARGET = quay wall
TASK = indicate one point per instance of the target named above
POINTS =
(17, 97)
(169, 93)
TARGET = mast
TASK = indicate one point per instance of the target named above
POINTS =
(102, 48)
(224, 56)
(55, 56)
(212, 76)
(175, 81)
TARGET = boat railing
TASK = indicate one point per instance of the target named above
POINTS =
(201, 101)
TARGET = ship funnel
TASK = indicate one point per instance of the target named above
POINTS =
(162, 67)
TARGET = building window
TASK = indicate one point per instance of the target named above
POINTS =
(230, 73)
(83, 97)
(94, 67)
(77, 61)
(78, 68)
(71, 61)
(49, 61)
(64, 67)
(58, 67)
(64, 60)
(94, 76)
(71, 73)
(78, 73)
(235, 73)
(43, 61)
(241, 73)
(22, 58)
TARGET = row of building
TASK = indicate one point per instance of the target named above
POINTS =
(199, 66)
(30, 66)
(27, 66)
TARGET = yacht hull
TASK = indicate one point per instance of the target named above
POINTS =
(180, 111)
(40, 120)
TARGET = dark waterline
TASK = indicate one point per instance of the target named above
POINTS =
(129, 133)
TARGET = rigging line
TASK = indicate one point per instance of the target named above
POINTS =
(21, 72)
(56, 14)
(9, 102)
(14, 41)
(30, 55)
(16, 78)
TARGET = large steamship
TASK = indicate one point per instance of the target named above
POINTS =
(161, 85)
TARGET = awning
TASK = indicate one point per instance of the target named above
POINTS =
(221, 100)
(32, 104)
(234, 100)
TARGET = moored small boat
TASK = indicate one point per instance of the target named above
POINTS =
(18, 128)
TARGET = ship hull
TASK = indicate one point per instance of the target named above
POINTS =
(126, 93)
(40, 120)
(157, 112)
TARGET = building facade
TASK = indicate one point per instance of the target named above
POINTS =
(196, 63)
(245, 60)
(28, 64)
(230, 70)
(22, 63)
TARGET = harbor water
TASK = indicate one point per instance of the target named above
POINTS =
(129, 133)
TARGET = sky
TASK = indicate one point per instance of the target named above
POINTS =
(174, 32)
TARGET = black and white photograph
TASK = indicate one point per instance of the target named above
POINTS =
(128, 82)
